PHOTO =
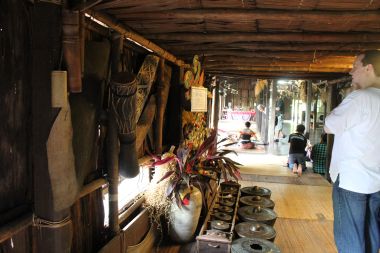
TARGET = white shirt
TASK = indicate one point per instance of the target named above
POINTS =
(356, 151)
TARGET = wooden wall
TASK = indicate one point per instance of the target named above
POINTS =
(16, 125)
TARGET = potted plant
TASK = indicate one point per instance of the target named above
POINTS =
(178, 186)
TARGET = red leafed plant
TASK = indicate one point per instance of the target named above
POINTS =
(195, 168)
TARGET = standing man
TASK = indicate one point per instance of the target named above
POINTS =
(280, 109)
(355, 163)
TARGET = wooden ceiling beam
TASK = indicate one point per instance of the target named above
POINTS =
(275, 75)
(276, 64)
(265, 37)
(306, 55)
(278, 46)
(225, 15)
(309, 69)
(268, 60)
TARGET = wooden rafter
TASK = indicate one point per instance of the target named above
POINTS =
(268, 37)
(276, 46)
(225, 15)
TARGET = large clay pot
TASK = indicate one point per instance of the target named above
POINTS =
(184, 220)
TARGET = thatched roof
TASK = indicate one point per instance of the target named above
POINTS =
(262, 38)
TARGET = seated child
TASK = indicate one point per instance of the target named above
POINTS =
(297, 150)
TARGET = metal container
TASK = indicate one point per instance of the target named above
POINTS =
(256, 191)
(253, 229)
(259, 214)
(248, 245)
(220, 225)
(256, 201)
(222, 216)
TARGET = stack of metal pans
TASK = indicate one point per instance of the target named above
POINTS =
(225, 209)
(248, 245)
(256, 191)
(257, 213)
(253, 229)
(226, 202)
(222, 216)
(257, 201)
(220, 225)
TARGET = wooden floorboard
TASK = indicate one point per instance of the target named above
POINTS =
(304, 236)
(314, 179)
(299, 201)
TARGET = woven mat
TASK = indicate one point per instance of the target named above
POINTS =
(259, 149)
(306, 179)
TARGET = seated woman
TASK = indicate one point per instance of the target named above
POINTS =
(245, 137)
(319, 154)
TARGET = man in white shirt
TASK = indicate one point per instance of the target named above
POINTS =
(355, 162)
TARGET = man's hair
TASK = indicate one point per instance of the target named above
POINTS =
(372, 57)
(324, 138)
(300, 128)
(247, 124)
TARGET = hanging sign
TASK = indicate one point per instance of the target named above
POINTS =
(198, 99)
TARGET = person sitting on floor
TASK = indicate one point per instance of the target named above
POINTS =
(318, 155)
(245, 137)
(297, 150)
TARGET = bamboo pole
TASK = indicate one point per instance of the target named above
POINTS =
(10, 229)
(127, 32)
(125, 215)
(94, 185)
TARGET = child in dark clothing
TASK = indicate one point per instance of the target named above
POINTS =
(297, 150)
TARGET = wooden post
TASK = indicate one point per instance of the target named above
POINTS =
(309, 88)
(216, 104)
(330, 104)
(112, 149)
(161, 100)
(272, 110)
(315, 109)
(46, 237)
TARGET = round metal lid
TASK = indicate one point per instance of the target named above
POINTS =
(220, 225)
(226, 202)
(253, 229)
(256, 213)
(255, 245)
(257, 201)
(230, 187)
(225, 209)
(226, 195)
(222, 216)
(257, 191)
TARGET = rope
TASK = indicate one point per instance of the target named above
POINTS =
(42, 223)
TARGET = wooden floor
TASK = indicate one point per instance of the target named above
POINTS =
(303, 205)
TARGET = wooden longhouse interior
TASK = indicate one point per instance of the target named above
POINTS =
(93, 90)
